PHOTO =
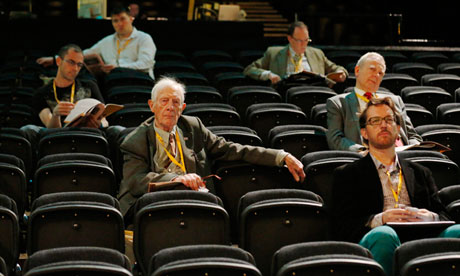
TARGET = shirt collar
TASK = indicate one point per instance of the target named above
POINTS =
(359, 91)
(292, 53)
(131, 36)
(391, 168)
(164, 134)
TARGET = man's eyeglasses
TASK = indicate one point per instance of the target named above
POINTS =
(308, 40)
(376, 121)
(73, 63)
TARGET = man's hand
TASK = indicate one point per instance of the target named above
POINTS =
(398, 215)
(107, 68)
(421, 215)
(274, 78)
(191, 180)
(295, 167)
(45, 61)
(63, 108)
(338, 76)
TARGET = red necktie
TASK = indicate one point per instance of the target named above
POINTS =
(398, 142)
(368, 95)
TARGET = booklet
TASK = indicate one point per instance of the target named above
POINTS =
(427, 145)
(84, 108)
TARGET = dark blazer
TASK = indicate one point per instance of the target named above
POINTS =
(357, 195)
(275, 60)
(200, 146)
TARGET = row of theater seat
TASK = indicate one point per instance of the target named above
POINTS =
(267, 220)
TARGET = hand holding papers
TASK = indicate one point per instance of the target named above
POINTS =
(87, 111)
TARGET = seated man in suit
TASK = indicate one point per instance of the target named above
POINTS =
(342, 110)
(174, 147)
(381, 188)
(280, 62)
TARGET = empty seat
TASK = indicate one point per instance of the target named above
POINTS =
(186, 218)
(203, 260)
(306, 96)
(413, 69)
(427, 98)
(325, 258)
(448, 82)
(448, 113)
(393, 57)
(66, 140)
(238, 178)
(419, 115)
(298, 139)
(202, 94)
(431, 58)
(434, 256)
(10, 95)
(84, 261)
(450, 197)
(191, 78)
(445, 134)
(290, 215)
(9, 233)
(445, 171)
(318, 167)
(132, 115)
(13, 141)
(227, 80)
(242, 98)
(166, 67)
(16, 115)
(75, 219)
(65, 172)
(212, 68)
(246, 57)
(319, 115)
(127, 94)
(199, 57)
(343, 57)
(213, 114)
(169, 55)
(396, 81)
(265, 116)
(125, 76)
(13, 181)
(237, 134)
(449, 68)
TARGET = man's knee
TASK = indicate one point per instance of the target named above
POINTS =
(451, 232)
(381, 235)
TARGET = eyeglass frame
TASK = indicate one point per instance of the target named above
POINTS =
(73, 63)
(308, 40)
(388, 119)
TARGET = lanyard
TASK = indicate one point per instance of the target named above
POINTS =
(180, 165)
(395, 193)
(119, 50)
(297, 65)
(72, 94)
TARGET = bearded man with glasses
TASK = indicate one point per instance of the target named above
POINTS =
(383, 188)
(280, 62)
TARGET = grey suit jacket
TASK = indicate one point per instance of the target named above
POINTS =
(275, 60)
(199, 146)
(343, 131)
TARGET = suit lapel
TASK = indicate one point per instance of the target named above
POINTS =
(353, 109)
(370, 178)
(186, 140)
(314, 65)
(281, 61)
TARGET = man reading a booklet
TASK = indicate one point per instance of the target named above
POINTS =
(281, 62)
(174, 147)
(54, 101)
(382, 188)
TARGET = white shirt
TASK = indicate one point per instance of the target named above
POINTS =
(139, 53)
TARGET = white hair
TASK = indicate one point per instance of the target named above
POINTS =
(371, 55)
(165, 82)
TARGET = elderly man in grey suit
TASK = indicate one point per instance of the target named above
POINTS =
(281, 61)
(343, 110)
(175, 147)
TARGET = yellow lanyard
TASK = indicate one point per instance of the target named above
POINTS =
(297, 65)
(364, 98)
(182, 164)
(72, 93)
(119, 50)
(395, 193)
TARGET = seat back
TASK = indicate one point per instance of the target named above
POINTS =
(132, 115)
(324, 257)
(75, 219)
(13, 141)
(186, 218)
(290, 215)
(307, 97)
(74, 172)
(9, 233)
(418, 114)
(13, 181)
(213, 114)
(445, 135)
(430, 99)
(203, 260)
(448, 113)
(77, 260)
(432, 256)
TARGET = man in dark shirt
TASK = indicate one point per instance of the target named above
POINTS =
(54, 101)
